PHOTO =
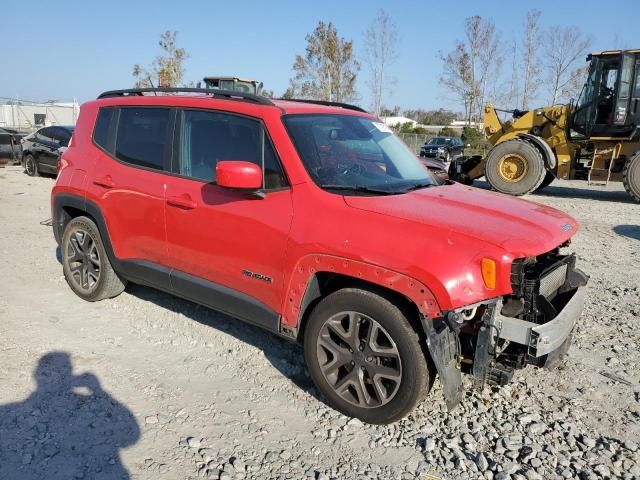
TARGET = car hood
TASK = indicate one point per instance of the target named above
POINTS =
(520, 227)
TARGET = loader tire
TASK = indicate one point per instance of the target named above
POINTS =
(631, 177)
(515, 167)
(548, 180)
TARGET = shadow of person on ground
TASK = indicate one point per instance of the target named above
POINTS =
(629, 231)
(68, 428)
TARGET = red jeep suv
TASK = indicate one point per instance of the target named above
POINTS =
(314, 221)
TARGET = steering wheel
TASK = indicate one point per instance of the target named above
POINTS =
(605, 91)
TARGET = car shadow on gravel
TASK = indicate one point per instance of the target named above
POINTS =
(69, 427)
(629, 231)
(284, 355)
(557, 189)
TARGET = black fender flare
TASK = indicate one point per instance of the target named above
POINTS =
(548, 155)
(135, 270)
(59, 218)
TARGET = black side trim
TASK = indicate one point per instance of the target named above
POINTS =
(225, 300)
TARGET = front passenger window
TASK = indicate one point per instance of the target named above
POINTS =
(209, 137)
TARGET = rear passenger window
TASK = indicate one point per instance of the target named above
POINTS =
(209, 137)
(101, 131)
(142, 136)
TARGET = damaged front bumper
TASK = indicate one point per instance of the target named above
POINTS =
(492, 339)
(547, 337)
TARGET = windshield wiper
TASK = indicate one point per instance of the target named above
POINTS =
(358, 188)
(418, 186)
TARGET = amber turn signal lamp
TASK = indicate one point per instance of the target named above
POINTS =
(489, 273)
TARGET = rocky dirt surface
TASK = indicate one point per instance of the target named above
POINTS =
(150, 386)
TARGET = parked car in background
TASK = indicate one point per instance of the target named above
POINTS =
(437, 168)
(41, 150)
(447, 148)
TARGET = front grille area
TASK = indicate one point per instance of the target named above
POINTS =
(535, 282)
(553, 280)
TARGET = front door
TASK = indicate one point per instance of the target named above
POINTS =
(634, 105)
(227, 248)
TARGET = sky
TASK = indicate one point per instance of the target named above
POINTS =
(77, 49)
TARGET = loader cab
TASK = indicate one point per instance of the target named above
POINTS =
(234, 84)
(609, 105)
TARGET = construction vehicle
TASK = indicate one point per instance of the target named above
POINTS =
(234, 84)
(596, 139)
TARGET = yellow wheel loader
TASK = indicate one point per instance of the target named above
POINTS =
(597, 139)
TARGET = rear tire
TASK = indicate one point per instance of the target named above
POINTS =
(515, 167)
(631, 176)
(85, 264)
(31, 166)
(377, 377)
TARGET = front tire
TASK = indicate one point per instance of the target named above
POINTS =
(85, 264)
(631, 177)
(515, 167)
(364, 356)
(31, 166)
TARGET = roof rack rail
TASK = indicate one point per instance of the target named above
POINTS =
(329, 104)
(223, 94)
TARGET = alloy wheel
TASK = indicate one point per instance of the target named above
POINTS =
(83, 260)
(30, 166)
(359, 359)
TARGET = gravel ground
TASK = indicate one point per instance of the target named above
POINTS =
(150, 386)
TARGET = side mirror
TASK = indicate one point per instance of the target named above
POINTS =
(238, 174)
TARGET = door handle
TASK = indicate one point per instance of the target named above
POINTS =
(185, 202)
(106, 182)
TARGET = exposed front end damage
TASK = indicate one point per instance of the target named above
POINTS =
(531, 326)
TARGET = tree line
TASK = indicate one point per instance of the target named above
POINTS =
(544, 66)
(538, 67)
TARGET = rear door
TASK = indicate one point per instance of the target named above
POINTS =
(46, 149)
(227, 247)
(128, 181)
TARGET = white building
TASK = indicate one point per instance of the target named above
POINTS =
(455, 125)
(23, 115)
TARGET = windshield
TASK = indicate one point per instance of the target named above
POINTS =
(355, 153)
(439, 141)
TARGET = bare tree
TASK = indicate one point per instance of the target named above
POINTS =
(563, 48)
(380, 43)
(457, 77)
(530, 59)
(490, 59)
(328, 69)
(472, 65)
(512, 95)
(167, 70)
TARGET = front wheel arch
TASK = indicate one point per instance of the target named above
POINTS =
(323, 284)
(316, 274)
